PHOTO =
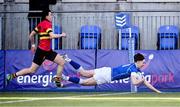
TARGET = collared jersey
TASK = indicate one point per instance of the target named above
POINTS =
(123, 71)
(43, 29)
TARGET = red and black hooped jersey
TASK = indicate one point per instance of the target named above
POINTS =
(43, 29)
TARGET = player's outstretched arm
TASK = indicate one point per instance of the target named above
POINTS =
(146, 83)
(52, 35)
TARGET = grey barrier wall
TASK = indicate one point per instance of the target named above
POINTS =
(16, 27)
(15, 31)
(147, 15)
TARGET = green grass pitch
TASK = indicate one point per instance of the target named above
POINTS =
(88, 99)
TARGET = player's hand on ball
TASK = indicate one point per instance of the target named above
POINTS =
(151, 56)
(140, 76)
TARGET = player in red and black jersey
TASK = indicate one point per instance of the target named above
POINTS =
(44, 50)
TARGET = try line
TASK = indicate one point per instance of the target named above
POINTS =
(88, 98)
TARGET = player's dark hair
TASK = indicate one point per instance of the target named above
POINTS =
(45, 13)
(138, 57)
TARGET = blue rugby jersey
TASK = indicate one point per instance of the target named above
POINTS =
(123, 71)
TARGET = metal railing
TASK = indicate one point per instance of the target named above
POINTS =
(16, 27)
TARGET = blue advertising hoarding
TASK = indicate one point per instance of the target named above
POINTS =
(2, 55)
(162, 71)
(17, 60)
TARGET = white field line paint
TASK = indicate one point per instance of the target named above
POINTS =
(89, 98)
(17, 101)
(109, 94)
(21, 100)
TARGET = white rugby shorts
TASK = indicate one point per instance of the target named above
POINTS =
(102, 75)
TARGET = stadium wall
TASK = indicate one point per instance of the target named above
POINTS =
(162, 71)
(15, 28)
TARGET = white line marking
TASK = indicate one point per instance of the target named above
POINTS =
(26, 99)
(109, 94)
(85, 97)
(17, 101)
(90, 98)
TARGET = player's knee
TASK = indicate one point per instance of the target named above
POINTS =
(81, 73)
(86, 74)
(85, 83)
(61, 63)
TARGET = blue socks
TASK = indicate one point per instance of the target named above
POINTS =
(74, 80)
(75, 65)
